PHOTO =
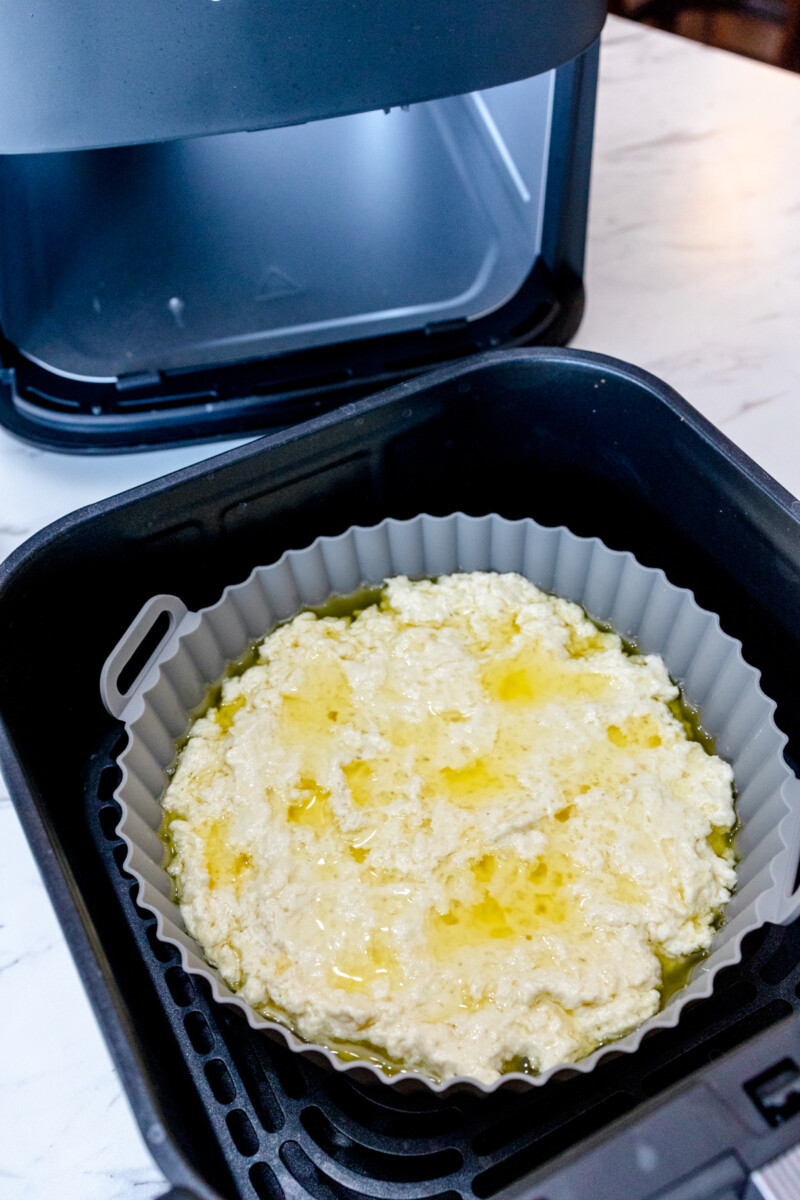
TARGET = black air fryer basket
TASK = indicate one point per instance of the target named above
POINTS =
(567, 438)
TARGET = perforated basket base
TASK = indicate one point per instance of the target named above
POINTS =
(275, 1126)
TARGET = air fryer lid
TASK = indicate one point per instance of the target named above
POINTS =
(79, 75)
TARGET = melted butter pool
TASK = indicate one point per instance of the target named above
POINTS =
(227, 865)
(537, 677)
(513, 898)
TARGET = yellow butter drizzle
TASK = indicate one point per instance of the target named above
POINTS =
(226, 712)
(227, 864)
(537, 676)
(312, 807)
(357, 972)
(512, 898)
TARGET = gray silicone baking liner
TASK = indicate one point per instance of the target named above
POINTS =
(638, 602)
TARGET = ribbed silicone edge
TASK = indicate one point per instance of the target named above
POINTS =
(638, 602)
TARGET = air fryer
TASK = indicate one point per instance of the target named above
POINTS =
(227, 216)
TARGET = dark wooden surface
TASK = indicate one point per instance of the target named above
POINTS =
(768, 30)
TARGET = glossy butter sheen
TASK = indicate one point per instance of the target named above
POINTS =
(461, 829)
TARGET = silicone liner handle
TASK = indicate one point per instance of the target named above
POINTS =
(137, 650)
(788, 907)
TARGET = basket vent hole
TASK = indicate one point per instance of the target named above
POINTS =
(180, 986)
(312, 1180)
(242, 1132)
(265, 1183)
(400, 1168)
(374, 1112)
(785, 957)
(108, 781)
(143, 914)
(119, 745)
(289, 1074)
(162, 951)
(198, 1031)
(120, 853)
(249, 1051)
(109, 819)
(220, 1081)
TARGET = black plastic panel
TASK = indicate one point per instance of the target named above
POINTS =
(120, 257)
(561, 436)
(85, 73)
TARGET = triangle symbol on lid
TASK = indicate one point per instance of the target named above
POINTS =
(275, 285)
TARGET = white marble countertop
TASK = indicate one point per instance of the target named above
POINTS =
(693, 272)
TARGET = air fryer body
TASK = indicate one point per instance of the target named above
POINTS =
(221, 218)
(198, 287)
